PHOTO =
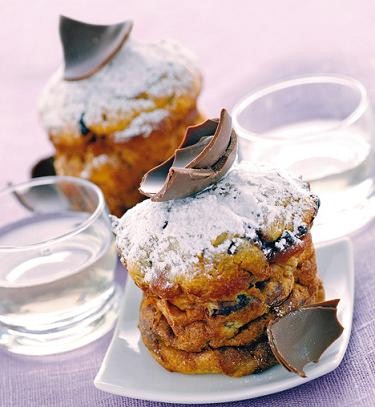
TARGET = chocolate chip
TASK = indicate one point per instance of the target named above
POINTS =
(317, 201)
(254, 237)
(302, 230)
(92, 139)
(288, 238)
(243, 300)
(82, 126)
(165, 224)
(227, 308)
(232, 248)
(260, 285)
(272, 248)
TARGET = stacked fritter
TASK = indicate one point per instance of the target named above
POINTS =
(131, 115)
(218, 267)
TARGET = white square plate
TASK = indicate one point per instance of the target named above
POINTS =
(129, 370)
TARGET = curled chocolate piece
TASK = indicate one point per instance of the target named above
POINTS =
(205, 155)
(87, 47)
(303, 335)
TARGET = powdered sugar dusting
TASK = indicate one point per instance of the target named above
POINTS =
(143, 124)
(168, 237)
(127, 86)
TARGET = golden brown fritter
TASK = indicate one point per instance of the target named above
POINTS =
(229, 338)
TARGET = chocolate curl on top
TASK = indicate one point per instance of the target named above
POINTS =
(88, 47)
(303, 335)
(205, 155)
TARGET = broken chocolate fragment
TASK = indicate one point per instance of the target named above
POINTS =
(84, 130)
(303, 335)
(205, 155)
(88, 47)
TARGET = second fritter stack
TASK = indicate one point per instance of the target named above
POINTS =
(217, 267)
(124, 116)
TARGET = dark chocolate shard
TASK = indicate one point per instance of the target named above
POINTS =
(205, 155)
(303, 335)
(43, 168)
(88, 47)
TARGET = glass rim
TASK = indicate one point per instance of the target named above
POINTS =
(49, 180)
(266, 90)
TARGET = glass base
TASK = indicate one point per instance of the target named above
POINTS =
(71, 335)
(330, 224)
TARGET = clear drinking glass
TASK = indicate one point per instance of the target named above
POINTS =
(321, 127)
(57, 257)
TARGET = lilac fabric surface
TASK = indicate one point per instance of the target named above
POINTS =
(240, 45)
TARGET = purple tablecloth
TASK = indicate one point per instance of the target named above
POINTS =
(240, 45)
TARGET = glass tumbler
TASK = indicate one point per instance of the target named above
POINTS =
(320, 127)
(57, 256)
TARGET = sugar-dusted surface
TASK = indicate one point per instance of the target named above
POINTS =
(250, 202)
(143, 124)
(128, 85)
